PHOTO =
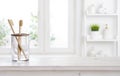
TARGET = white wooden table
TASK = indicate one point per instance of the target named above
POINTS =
(60, 66)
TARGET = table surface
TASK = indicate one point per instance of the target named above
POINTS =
(60, 63)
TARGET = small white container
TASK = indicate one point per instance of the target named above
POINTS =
(107, 34)
(95, 35)
(91, 9)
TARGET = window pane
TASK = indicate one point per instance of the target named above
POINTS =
(18, 9)
(58, 23)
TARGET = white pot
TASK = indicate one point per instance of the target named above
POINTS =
(95, 35)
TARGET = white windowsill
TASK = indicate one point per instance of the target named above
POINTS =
(60, 63)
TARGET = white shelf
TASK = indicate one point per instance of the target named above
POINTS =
(89, 39)
(102, 14)
(101, 40)
(108, 16)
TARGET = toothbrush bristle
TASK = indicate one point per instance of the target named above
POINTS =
(21, 22)
(10, 22)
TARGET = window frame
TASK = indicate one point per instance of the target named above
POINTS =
(43, 31)
(44, 25)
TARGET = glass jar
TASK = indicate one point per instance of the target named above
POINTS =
(20, 47)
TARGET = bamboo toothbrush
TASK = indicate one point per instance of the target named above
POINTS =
(19, 46)
(19, 38)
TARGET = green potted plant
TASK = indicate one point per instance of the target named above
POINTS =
(95, 27)
(95, 31)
